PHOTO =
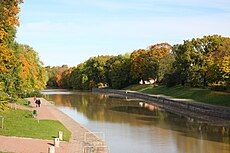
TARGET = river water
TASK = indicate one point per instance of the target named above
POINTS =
(128, 126)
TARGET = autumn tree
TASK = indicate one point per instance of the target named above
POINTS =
(21, 71)
(30, 73)
(162, 52)
(143, 65)
(55, 75)
(9, 10)
(159, 50)
(65, 78)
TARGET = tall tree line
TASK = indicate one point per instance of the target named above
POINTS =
(114, 71)
(200, 62)
(21, 71)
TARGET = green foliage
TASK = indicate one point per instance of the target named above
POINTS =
(165, 66)
(20, 123)
(171, 79)
(200, 62)
(95, 71)
(143, 65)
(83, 77)
(22, 102)
(118, 72)
(203, 61)
(26, 76)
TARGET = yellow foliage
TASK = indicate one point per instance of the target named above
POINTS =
(9, 10)
(7, 59)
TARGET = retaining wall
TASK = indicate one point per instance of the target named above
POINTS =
(223, 113)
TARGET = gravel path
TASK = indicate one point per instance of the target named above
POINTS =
(48, 111)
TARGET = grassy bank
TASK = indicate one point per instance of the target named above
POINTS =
(20, 123)
(23, 102)
(196, 94)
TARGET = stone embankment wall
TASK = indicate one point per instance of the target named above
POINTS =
(182, 107)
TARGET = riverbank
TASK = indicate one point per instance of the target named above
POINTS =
(76, 144)
(215, 115)
(196, 94)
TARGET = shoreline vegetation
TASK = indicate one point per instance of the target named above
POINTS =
(197, 69)
(22, 73)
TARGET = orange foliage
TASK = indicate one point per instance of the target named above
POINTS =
(9, 10)
(159, 50)
(7, 59)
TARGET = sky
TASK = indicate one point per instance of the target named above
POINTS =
(70, 31)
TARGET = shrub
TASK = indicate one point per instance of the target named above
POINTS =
(171, 80)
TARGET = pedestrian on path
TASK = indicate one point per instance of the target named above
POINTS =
(39, 102)
(35, 98)
(36, 101)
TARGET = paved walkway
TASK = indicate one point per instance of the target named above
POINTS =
(28, 145)
(49, 111)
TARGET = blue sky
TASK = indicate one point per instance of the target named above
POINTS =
(71, 31)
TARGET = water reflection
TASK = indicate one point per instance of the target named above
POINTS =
(134, 127)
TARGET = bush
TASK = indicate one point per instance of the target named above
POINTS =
(171, 80)
(219, 88)
(32, 94)
(3, 96)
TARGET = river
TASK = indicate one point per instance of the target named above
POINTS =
(128, 126)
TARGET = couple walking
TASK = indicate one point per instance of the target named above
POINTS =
(37, 102)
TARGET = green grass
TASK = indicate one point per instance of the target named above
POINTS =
(20, 123)
(137, 87)
(196, 94)
(22, 102)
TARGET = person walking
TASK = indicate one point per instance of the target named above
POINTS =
(39, 102)
(36, 101)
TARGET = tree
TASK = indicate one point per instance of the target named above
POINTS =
(55, 75)
(29, 73)
(143, 65)
(162, 53)
(218, 63)
(21, 71)
(78, 79)
(65, 78)
(95, 71)
(159, 50)
(118, 72)
(165, 66)
(199, 62)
